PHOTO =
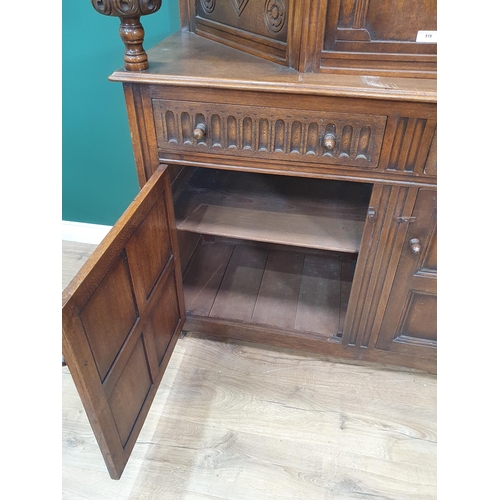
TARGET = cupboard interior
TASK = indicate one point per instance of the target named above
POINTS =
(269, 250)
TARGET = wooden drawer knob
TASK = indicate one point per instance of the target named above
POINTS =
(415, 246)
(329, 141)
(199, 131)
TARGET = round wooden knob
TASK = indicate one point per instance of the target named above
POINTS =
(415, 246)
(199, 131)
(329, 141)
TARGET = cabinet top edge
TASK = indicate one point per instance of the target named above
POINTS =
(186, 59)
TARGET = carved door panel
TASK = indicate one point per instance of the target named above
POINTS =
(381, 35)
(411, 313)
(122, 315)
(383, 238)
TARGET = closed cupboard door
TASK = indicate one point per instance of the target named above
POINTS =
(122, 315)
(381, 37)
(411, 314)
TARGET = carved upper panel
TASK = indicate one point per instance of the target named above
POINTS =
(240, 5)
(257, 18)
(275, 16)
(208, 6)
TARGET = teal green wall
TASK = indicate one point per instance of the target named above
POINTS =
(98, 171)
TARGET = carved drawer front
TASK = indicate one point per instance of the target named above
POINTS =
(252, 131)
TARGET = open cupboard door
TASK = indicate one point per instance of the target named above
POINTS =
(122, 316)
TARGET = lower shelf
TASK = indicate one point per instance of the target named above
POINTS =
(273, 286)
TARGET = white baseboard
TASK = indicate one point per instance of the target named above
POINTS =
(83, 232)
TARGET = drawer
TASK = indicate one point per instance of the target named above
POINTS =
(316, 137)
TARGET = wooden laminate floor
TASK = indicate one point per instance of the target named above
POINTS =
(241, 422)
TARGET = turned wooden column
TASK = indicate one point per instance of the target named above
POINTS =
(131, 30)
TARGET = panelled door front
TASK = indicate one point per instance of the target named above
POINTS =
(122, 315)
(411, 314)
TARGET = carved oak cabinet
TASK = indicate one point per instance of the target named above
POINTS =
(286, 152)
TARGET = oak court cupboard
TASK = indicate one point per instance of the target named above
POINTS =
(286, 152)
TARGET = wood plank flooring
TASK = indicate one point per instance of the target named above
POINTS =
(241, 422)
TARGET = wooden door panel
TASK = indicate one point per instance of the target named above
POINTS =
(393, 22)
(379, 37)
(430, 258)
(164, 319)
(122, 315)
(399, 20)
(411, 313)
(106, 337)
(130, 391)
(151, 240)
(420, 317)
(431, 162)
(261, 28)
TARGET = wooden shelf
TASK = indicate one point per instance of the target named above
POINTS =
(277, 287)
(301, 212)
